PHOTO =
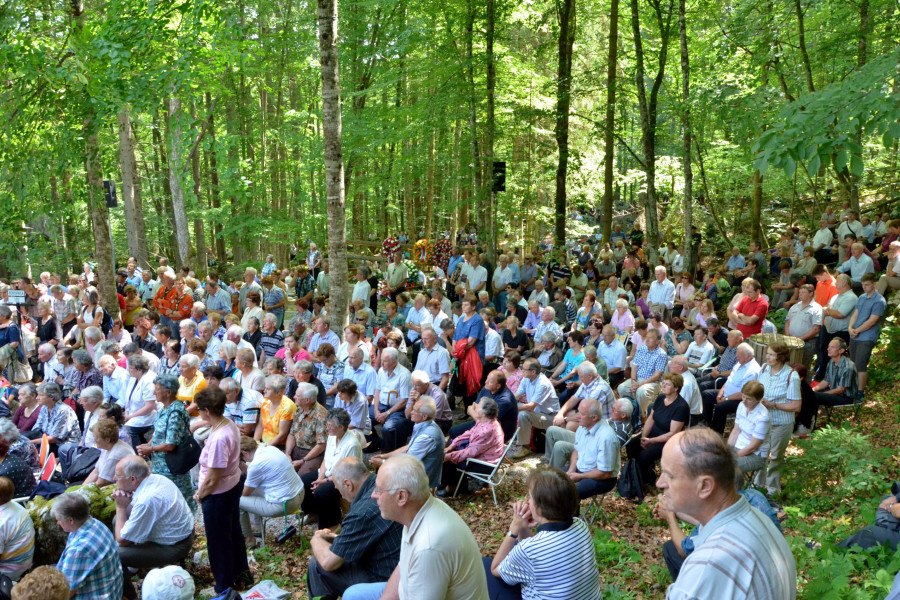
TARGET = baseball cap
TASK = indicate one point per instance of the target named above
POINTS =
(168, 583)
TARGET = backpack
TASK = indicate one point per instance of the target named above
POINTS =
(630, 485)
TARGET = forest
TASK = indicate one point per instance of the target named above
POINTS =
(208, 116)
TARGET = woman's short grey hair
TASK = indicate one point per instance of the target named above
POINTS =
(548, 336)
(339, 417)
(52, 390)
(191, 360)
(621, 303)
(93, 393)
(168, 382)
(277, 383)
(71, 506)
(189, 323)
(229, 349)
(489, 407)
(136, 361)
(406, 472)
(304, 366)
(27, 389)
(9, 431)
(253, 320)
(446, 324)
(5, 311)
(112, 347)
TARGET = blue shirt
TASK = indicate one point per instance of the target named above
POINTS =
(454, 262)
(736, 262)
(867, 306)
(514, 267)
(473, 328)
(857, 267)
(364, 378)
(90, 563)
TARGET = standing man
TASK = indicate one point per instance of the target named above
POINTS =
(439, 558)
(64, 307)
(662, 294)
(250, 285)
(865, 325)
(313, 260)
(323, 280)
(804, 321)
(397, 276)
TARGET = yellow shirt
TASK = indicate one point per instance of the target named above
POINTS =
(187, 390)
(270, 422)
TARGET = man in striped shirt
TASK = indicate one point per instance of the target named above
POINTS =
(739, 554)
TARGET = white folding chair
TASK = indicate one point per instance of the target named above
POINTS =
(488, 478)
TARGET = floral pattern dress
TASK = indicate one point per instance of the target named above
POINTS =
(172, 426)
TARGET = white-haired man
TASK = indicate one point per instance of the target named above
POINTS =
(662, 293)
(717, 405)
(538, 404)
(439, 557)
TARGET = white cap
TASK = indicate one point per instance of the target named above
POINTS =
(168, 583)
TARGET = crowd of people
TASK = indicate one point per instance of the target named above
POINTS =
(206, 395)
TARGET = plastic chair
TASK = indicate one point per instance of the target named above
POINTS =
(488, 478)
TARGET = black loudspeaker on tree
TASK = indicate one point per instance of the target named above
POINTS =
(499, 176)
(109, 188)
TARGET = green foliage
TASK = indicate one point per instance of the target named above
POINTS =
(612, 552)
(836, 464)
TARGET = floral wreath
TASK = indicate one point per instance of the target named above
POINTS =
(413, 269)
(390, 246)
(442, 254)
(424, 251)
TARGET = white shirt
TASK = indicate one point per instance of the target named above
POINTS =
(361, 291)
(476, 277)
(416, 316)
(159, 513)
(502, 277)
(493, 343)
(137, 393)
(822, 239)
(334, 452)
(272, 473)
(16, 540)
(699, 354)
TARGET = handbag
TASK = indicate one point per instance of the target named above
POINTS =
(630, 485)
(6, 586)
(184, 457)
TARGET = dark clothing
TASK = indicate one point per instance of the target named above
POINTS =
(368, 544)
(225, 542)
(508, 410)
(149, 344)
(254, 339)
(325, 501)
(809, 406)
(49, 330)
(17, 471)
(151, 555)
(292, 389)
(672, 558)
(520, 339)
(662, 423)
(591, 487)
(90, 377)
(716, 414)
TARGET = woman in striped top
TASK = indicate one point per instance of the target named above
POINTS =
(547, 552)
(782, 399)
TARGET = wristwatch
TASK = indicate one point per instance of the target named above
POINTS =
(512, 535)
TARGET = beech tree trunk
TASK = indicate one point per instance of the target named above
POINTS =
(608, 137)
(182, 235)
(688, 255)
(565, 14)
(131, 193)
(334, 161)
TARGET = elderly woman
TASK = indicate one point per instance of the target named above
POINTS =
(567, 370)
(511, 368)
(56, 419)
(171, 429)
(392, 316)
(514, 339)
(11, 351)
(306, 443)
(324, 498)
(190, 382)
(16, 470)
(170, 364)
(483, 442)
(219, 494)
(19, 445)
(683, 292)
(29, 408)
(527, 562)
(227, 354)
(272, 487)
(589, 308)
(353, 338)
(275, 414)
(547, 353)
(622, 319)
(197, 347)
(254, 309)
(668, 415)
(47, 328)
(253, 333)
(112, 450)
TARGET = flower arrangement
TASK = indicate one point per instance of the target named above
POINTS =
(390, 246)
(413, 270)
(442, 254)
(424, 252)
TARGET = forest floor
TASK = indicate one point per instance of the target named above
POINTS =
(832, 483)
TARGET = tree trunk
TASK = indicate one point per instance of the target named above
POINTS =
(429, 195)
(131, 193)
(473, 121)
(689, 265)
(182, 235)
(214, 184)
(610, 123)
(103, 248)
(59, 209)
(565, 14)
(756, 231)
(648, 109)
(334, 162)
(801, 40)
(489, 233)
(199, 228)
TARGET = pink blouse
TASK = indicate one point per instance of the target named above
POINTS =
(620, 322)
(485, 443)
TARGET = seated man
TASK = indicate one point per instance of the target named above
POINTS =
(717, 405)
(90, 561)
(538, 404)
(592, 460)
(727, 360)
(16, 533)
(508, 409)
(698, 474)
(646, 371)
(391, 396)
(154, 526)
(368, 546)
(886, 529)
(591, 386)
(689, 390)
(700, 351)
(422, 386)
(426, 443)
(839, 385)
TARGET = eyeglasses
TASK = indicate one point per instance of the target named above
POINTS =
(376, 491)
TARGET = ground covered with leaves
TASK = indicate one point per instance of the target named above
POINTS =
(832, 484)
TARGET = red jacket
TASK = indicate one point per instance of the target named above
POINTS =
(470, 367)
